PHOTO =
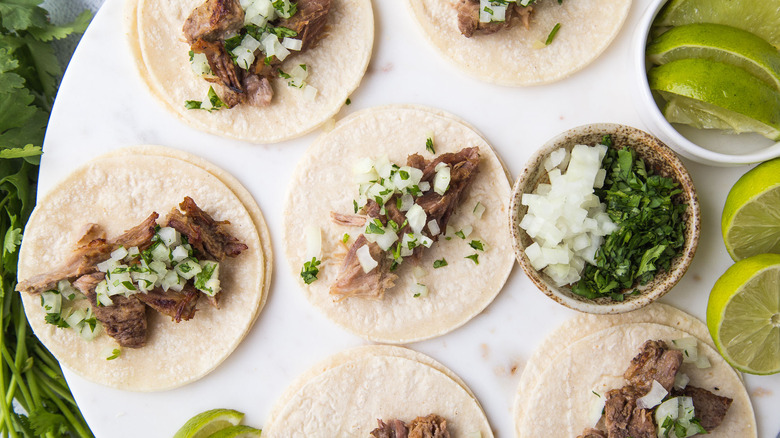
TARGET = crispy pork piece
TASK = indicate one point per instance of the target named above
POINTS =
(93, 249)
(469, 24)
(258, 90)
(391, 429)
(348, 220)
(655, 361)
(592, 433)
(623, 418)
(213, 19)
(709, 408)
(432, 426)
(125, 320)
(178, 305)
(309, 21)
(354, 282)
(207, 236)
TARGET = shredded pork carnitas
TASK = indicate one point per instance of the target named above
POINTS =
(125, 319)
(352, 280)
(211, 23)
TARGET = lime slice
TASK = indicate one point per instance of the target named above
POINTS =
(743, 314)
(206, 423)
(721, 43)
(237, 432)
(751, 216)
(761, 17)
(739, 99)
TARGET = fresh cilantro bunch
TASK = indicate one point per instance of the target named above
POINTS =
(651, 229)
(29, 73)
(36, 400)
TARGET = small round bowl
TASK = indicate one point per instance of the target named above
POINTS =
(656, 156)
(706, 146)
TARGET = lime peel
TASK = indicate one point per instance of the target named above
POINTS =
(206, 423)
(743, 313)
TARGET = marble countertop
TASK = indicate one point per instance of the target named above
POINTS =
(103, 105)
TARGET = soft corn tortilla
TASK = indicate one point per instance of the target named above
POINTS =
(560, 399)
(518, 56)
(322, 183)
(336, 66)
(118, 191)
(345, 395)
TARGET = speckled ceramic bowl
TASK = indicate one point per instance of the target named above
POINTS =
(658, 157)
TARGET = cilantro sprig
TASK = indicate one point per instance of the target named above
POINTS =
(651, 229)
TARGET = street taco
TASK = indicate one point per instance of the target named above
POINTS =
(189, 53)
(425, 283)
(594, 359)
(523, 49)
(352, 391)
(115, 193)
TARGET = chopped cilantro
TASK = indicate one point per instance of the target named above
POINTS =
(375, 227)
(439, 263)
(651, 227)
(476, 244)
(355, 205)
(56, 319)
(345, 238)
(114, 354)
(348, 102)
(283, 74)
(460, 234)
(309, 271)
(474, 258)
(551, 36)
(429, 145)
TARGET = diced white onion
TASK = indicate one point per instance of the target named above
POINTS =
(424, 186)
(433, 227)
(420, 290)
(179, 253)
(313, 242)
(567, 214)
(187, 269)
(681, 380)
(364, 257)
(652, 398)
(703, 362)
(597, 403)
(441, 182)
(667, 410)
(419, 272)
(169, 236)
(407, 201)
(386, 240)
(200, 64)
(292, 43)
(689, 348)
(309, 93)
(416, 217)
(119, 253)
(479, 210)
(51, 302)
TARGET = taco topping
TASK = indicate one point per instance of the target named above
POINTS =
(405, 209)
(653, 405)
(244, 43)
(431, 426)
(164, 268)
(484, 17)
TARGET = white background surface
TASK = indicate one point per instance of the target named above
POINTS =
(102, 105)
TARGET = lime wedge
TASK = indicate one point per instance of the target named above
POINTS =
(237, 432)
(206, 423)
(743, 314)
(751, 216)
(738, 99)
(721, 43)
(761, 17)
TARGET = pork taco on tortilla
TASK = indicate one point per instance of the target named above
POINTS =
(411, 242)
(377, 391)
(648, 373)
(520, 42)
(143, 270)
(256, 70)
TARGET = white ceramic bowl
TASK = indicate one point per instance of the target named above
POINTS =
(706, 146)
(658, 157)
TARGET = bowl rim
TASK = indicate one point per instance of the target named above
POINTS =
(650, 109)
(670, 279)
